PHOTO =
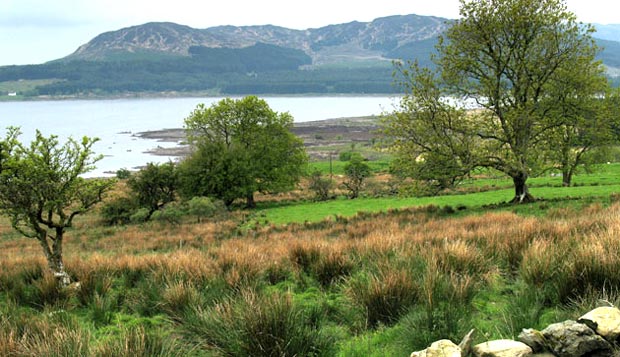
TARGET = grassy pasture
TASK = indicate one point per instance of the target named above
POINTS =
(301, 278)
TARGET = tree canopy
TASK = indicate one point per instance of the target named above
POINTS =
(42, 190)
(240, 146)
(527, 67)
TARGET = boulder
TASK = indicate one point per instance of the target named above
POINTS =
(441, 348)
(605, 321)
(573, 339)
(502, 348)
(532, 338)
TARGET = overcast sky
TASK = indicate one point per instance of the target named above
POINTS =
(36, 31)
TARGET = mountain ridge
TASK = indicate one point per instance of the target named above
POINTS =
(164, 57)
(375, 38)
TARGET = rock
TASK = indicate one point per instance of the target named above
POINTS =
(605, 321)
(573, 339)
(441, 348)
(466, 342)
(532, 338)
(502, 348)
(543, 354)
(418, 354)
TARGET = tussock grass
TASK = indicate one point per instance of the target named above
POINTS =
(413, 274)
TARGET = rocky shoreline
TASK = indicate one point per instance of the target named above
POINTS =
(318, 136)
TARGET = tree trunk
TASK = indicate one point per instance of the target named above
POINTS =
(567, 176)
(54, 258)
(250, 201)
(522, 194)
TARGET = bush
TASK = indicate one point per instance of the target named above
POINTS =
(123, 174)
(202, 207)
(320, 186)
(172, 214)
(356, 172)
(349, 155)
(140, 215)
(118, 211)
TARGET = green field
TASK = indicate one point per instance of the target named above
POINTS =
(21, 87)
(603, 182)
(380, 276)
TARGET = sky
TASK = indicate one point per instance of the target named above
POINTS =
(36, 31)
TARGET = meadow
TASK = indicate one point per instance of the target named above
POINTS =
(382, 275)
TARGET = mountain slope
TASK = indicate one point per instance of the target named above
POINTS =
(334, 43)
(228, 60)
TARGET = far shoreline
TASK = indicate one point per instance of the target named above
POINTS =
(174, 94)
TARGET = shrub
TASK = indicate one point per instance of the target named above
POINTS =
(118, 211)
(123, 174)
(356, 172)
(140, 215)
(202, 207)
(172, 214)
(320, 185)
(349, 155)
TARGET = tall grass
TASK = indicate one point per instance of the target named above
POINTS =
(255, 325)
(413, 274)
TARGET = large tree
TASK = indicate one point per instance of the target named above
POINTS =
(241, 146)
(42, 189)
(511, 58)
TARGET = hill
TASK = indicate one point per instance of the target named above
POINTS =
(334, 43)
(160, 57)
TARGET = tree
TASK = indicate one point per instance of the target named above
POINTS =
(241, 146)
(42, 191)
(587, 123)
(511, 58)
(356, 172)
(154, 186)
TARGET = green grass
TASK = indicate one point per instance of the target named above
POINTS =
(22, 86)
(317, 211)
(604, 174)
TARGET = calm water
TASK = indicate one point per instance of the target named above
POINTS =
(115, 121)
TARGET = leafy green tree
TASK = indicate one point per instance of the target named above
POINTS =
(154, 186)
(42, 189)
(241, 147)
(511, 58)
(356, 172)
(587, 123)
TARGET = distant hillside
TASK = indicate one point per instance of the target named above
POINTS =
(352, 41)
(607, 32)
(354, 58)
